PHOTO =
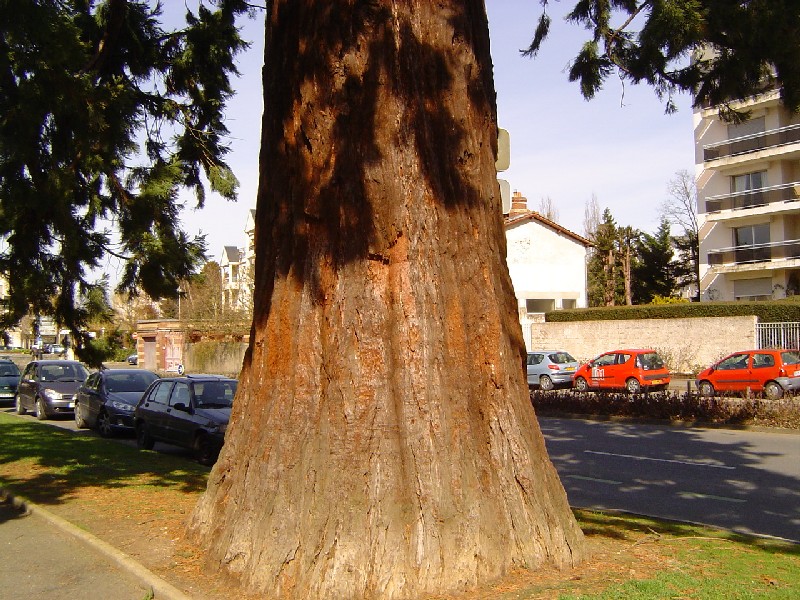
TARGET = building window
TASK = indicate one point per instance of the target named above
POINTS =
(745, 238)
(751, 235)
(753, 289)
(539, 305)
(567, 303)
(745, 189)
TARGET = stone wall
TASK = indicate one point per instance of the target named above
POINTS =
(687, 345)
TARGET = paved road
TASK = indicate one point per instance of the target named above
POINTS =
(39, 561)
(746, 481)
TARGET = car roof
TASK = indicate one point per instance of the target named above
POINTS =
(190, 378)
(58, 361)
(545, 351)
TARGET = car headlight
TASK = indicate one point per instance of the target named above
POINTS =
(123, 406)
(51, 395)
(217, 428)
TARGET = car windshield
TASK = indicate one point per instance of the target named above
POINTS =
(650, 361)
(9, 370)
(129, 382)
(561, 358)
(214, 394)
(64, 372)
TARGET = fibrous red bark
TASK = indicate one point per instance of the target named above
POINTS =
(382, 443)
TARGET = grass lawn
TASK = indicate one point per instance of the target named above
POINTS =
(139, 502)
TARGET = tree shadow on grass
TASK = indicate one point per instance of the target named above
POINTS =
(48, 465)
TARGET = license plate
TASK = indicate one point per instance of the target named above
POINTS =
(797, 373)
(570, 369)
(657, 381)
(71, 405)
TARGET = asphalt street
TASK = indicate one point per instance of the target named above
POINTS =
(745, 481)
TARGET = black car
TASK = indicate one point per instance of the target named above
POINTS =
(48, 387)
(9, 380)
(107, 399)
(190, 411)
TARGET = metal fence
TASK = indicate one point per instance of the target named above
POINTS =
(778, 335)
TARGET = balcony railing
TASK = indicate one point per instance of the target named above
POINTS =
(788, 192)
(752, 143)
(739, 255)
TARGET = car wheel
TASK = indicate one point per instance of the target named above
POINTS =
(706, 389)
(546, 383)
(204, 450)
(80, 422)
(104, 426)
(581, 384)
(143, 439)
(40, 410)
(20, 409)
(633, 386)
(773, 390)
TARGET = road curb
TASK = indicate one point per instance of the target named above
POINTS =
(162, 589)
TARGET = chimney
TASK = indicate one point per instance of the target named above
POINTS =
(519, 204)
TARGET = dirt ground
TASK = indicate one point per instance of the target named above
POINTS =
(148, 523)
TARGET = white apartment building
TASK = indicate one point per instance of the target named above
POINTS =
(748, 186)
(237, 266)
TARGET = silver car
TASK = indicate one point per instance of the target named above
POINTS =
(548, 369)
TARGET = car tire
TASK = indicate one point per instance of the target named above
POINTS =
(545, 383)
(633, 386)
(21, 410)
(80, 422)
(706, 389)
(581, 384)
(104, 426)
(773, 390)
(204, 450)
(144, 440)
(39, 409)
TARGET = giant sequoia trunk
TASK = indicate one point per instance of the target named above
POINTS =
(382, 442)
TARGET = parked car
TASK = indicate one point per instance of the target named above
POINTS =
(548, 369)
(773, 372)
(9, 380)
(48, 387)
(631, 370)
(56, 349)
(133, 359)
(191, 411)
(107, 399)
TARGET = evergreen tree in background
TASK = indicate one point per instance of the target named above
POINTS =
(104, 116)
(605, 274)
(653, 272)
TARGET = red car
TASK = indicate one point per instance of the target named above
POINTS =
(631, 370)
(773, 372)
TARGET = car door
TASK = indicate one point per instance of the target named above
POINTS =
(178, 420)
(732, 374)
(602, 370)
(619, 372)
(534, 367)
(763, 369)
(88, 398)
(152, 410)
(27, 386)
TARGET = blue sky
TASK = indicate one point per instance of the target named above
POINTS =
(620, 146)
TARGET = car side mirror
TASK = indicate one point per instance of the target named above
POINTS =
(180, 406)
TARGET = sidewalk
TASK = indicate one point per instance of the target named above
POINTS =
(43, 556)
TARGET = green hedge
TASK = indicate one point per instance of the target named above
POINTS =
(766, 311)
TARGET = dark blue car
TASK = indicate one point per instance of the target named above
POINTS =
(107, 399)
